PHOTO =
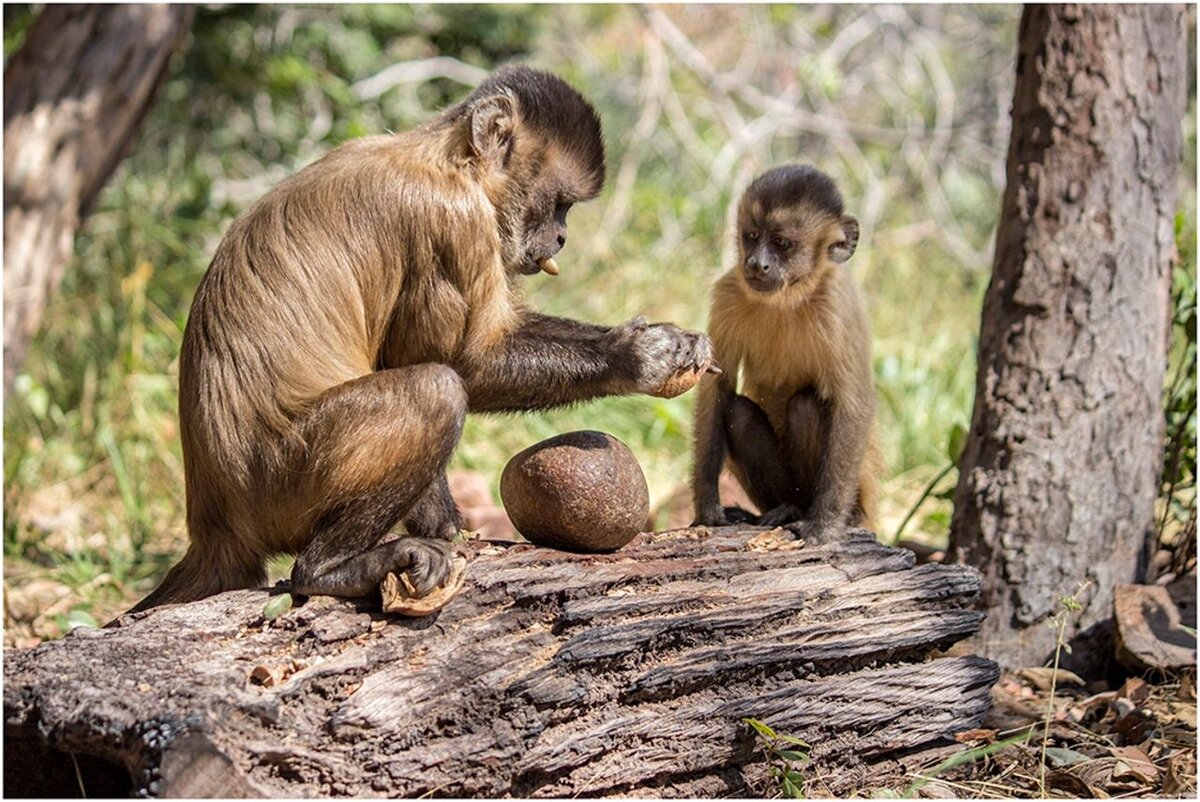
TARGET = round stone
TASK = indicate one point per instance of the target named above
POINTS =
(580, 491)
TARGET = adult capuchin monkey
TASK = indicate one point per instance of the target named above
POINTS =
(353, 316)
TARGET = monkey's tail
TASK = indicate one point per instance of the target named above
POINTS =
(197, 576)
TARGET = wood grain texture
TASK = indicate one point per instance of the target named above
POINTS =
(551, 674)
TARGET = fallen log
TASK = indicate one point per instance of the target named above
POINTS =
(551, 674)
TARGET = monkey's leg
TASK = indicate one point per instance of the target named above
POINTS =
(845, 429)
(759, 461)
(435, 515)
(379, 446)
(807, 421)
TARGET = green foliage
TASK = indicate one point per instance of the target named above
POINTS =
(954, 448)
(786, 756)
(17, 17)
(963, 758)
(277, 606)
(1179, 460)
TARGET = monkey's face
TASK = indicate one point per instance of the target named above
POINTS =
(539, 145)
(544, 231)
(782, 246)
(557, 184)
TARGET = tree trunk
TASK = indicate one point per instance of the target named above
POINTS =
(1058, 480)
(73, 97)
(550, 674)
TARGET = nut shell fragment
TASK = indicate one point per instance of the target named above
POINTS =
(679, 383)
(686, 379)
(399, 596)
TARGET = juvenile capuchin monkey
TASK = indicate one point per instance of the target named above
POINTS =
(353, 316)
(799, 434)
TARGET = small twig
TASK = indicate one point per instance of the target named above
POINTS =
(924, 495)
(78, 775)
(1070, 604)
(407, 72)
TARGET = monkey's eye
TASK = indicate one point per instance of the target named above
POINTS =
(781, 243)
(560, 211)
(751, 236)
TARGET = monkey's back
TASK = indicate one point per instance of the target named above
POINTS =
(301, 293)
(301, 296)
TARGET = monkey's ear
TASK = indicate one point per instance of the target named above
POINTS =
(843, 249)
(493, 120)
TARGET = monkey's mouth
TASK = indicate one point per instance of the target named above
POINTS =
(763, 284)
(545, 264)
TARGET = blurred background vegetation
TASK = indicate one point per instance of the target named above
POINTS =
(906, 106)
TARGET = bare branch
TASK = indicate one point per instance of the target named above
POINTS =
(408, 72)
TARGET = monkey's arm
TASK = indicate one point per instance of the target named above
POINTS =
(548, 361)
(847, 437)
(715, 395)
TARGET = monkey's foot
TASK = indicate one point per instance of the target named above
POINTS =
(399, 595)
(814, 533)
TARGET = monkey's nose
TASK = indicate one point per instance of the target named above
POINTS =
(562, 240)
(755, 265)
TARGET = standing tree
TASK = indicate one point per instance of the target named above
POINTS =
(1059, 477)
(73, 97)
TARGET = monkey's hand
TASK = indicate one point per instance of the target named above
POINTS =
(661, 359)
(711, 515)
(725, 516)
(815, 533)
(783, 514)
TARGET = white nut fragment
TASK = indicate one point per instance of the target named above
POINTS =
(548, 265)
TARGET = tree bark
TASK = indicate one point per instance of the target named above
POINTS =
(1059, 477)
(73, 97)
(551, 674)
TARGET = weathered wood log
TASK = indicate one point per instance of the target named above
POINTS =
(552, 674)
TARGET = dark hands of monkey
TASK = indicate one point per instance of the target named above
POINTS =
(355, 314)
(656, 352)
(798, 433)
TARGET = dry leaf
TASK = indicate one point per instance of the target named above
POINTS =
(986, 736)
(1060, 756)
(775, 540)
(1132, 761)
(1041, 678)
(1184, 711)
(1135, 690)
(1070, 784)
(937, 790)
(266, 676)
(1180, 777)
(1134, 727)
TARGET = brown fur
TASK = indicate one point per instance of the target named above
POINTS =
(811, 335)
(351, 317)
